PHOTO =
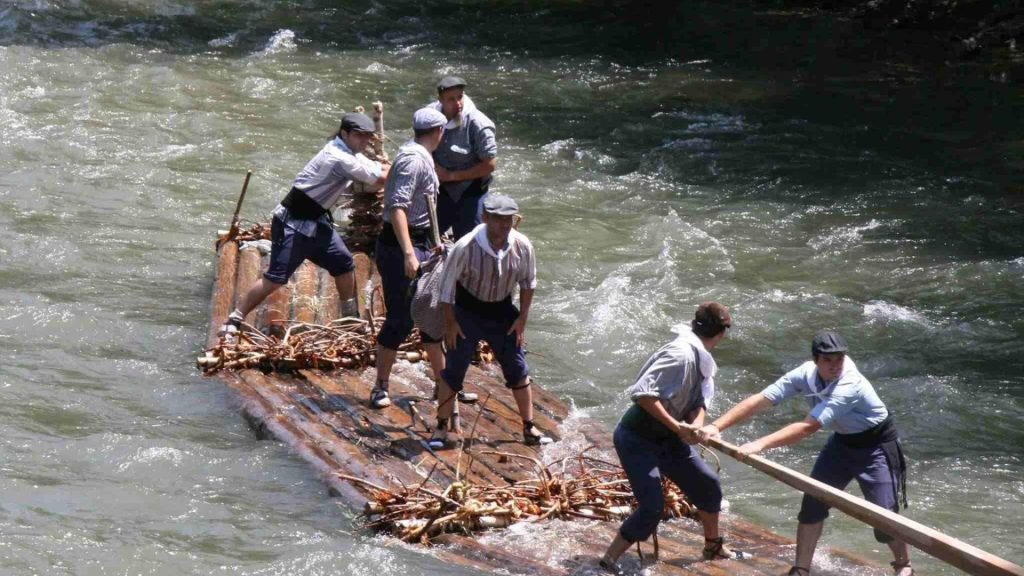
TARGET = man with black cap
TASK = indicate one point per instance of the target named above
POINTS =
(404, 243)
(302, 227)
(482, 272)
(865, 444)
(674, 388)
(465, 158)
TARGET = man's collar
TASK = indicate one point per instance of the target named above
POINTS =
(485, 243)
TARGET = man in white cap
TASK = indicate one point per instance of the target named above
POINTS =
(302, 227)
(480, 276)
(404, 243)
(465, 158)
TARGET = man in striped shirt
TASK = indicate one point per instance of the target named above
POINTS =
(302, 228)
(480, 275)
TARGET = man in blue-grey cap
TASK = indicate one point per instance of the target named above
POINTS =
(465, 158)
(483, 271)
(864, 444)
(302, 227)
(404, 243)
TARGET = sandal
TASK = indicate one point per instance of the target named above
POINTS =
(441, 439)
(534, 437)
(609, 566)
(902, 568)
(715, 549)
(379, 398)
(796, 571)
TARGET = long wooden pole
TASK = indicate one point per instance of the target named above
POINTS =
(241, 198)
(946, 548)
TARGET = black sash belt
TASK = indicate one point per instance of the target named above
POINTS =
(301, 206)
(419, 236)
(499, 310)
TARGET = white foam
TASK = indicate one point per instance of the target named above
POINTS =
(223, 41)
(282, 41)
(842, 237)
(378, 68)
(885, 312)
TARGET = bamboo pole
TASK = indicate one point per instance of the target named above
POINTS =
(942, 546)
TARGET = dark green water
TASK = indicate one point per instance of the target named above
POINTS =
(790, 166)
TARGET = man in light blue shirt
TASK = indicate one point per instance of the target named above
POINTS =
(865, 444)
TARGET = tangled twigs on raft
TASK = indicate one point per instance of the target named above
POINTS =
(344, 343)
(589, 488)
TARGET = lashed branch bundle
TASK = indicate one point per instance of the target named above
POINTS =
(344, 343)
(574, 487)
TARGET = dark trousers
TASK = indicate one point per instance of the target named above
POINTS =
(467, 213)
(398, 292)
(645, 462)
(838, 464)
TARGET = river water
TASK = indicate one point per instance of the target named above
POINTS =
(789, 165)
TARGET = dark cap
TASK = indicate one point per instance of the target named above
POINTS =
(450, 82)
(828, 342)
(356, 122)
(711, 319)
(500, 205)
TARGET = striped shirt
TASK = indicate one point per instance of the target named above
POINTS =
(327, 177)
(487, 275)
(410, 181)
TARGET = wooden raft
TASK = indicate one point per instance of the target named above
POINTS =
(324, 418)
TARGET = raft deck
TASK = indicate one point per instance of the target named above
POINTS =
(324, 418)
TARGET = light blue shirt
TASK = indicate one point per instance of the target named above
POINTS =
(847, 405)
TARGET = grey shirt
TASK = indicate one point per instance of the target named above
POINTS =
(467, 141)
(411, 180)
(327, 177)
(673, 375)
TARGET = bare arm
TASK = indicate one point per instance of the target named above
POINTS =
(481, 169)
(742, 412)
(519, 326)
(789, 434)
(400, 224)
(384, 169)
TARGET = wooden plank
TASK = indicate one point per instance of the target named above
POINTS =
(329, 299)
(223, 289)
(248, 276)
(942, 546)
(363, 272)
(305, 293)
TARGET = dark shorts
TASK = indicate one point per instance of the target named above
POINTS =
(673, 459)
(398, 293)
(493, 330)
(290, 248)
(464, 215)
(837, 465)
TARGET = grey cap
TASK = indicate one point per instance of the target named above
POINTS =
(450, 82)
(427, 119)
(356, 122)
(828, 342)
(500, 205)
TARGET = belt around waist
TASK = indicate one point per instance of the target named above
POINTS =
(884, 431)
(499, 309)
(300, 205)
(419, 236)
